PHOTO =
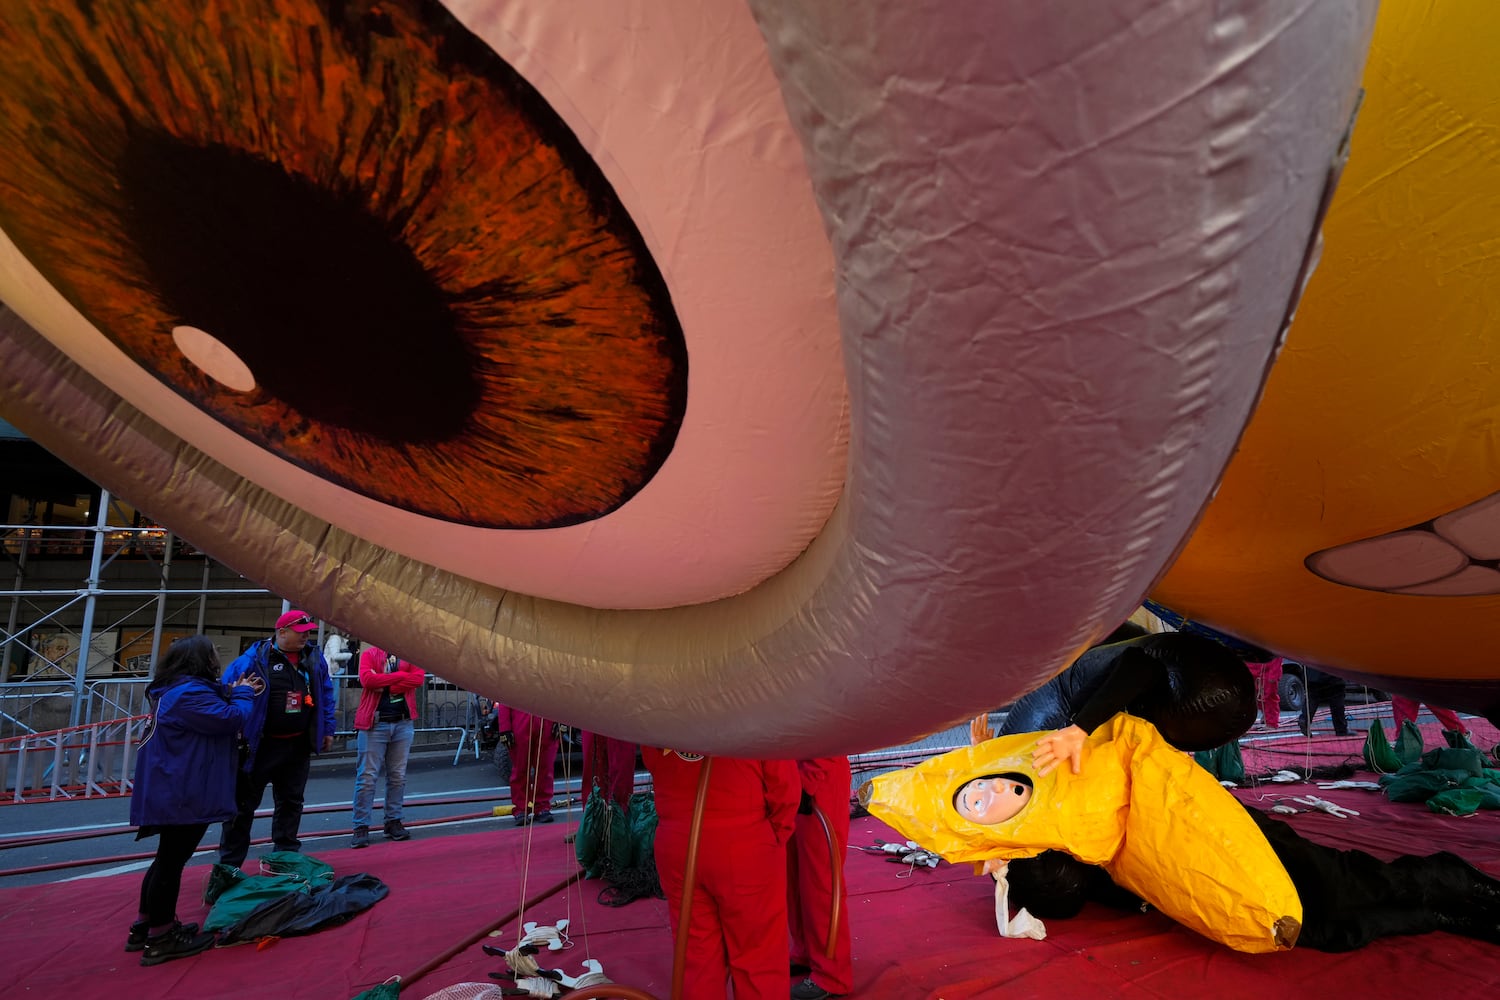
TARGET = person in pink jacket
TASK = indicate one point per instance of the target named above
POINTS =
(532, 743)
(385, 723)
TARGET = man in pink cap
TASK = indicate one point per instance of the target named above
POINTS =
(291, 719)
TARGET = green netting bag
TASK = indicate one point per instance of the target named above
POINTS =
(637, 878)
(602, 843)
(1379, 757)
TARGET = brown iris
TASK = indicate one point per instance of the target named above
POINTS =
(441, 299)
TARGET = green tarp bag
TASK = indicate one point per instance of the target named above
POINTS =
(1224, 763)
(241, 899)
(235, 895)
(314, 871)
(1466, 800)
(1412, 784)
(1469, 761)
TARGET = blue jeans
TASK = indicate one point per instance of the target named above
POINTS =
(382, 747)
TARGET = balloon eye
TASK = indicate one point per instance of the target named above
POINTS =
(398, 268)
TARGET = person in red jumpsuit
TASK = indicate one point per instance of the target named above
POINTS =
(532, 742)
(737, 927)
(809, 880)
(610, 763)
(1406, 709)
(1267, 674)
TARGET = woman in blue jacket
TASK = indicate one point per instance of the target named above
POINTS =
(184, 780)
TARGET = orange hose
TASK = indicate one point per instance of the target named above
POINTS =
(836, 866)
(689, 873)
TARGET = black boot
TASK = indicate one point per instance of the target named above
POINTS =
(181, 941)
(138, 931)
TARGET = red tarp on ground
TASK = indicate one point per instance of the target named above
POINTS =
(922, 934)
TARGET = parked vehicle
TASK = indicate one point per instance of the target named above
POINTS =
(1293, 689)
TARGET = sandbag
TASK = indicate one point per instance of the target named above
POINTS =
(603, 842)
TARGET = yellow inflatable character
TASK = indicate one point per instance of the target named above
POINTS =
(1143, 810)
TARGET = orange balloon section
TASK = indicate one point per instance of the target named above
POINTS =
(1358, 525)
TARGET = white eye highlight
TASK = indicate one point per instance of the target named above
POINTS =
(211, 357)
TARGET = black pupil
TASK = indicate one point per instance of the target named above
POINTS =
(325, 304)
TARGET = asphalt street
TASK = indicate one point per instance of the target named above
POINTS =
(88, 838)
(431, 776)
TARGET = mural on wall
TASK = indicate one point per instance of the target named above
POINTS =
(134, 657)
(355, 236)
(51, 654)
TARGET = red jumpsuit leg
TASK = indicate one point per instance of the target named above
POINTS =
(746, 873)
(1449, 719)
(545, 765)
(810, 899)
(524, 759)
(706, 973)
(1402, 710)
(619, 770)
(741, 867)
(794, 920)
(595, 766)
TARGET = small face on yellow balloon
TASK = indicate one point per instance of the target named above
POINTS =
(993, 798)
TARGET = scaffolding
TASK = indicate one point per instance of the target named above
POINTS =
(76, 652)
(94, 603)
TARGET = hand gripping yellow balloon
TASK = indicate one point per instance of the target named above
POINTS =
(1157, 822)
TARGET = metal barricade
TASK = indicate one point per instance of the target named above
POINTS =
(94, 760)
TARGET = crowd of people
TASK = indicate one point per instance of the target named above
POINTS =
(766, 900)
(258, 723)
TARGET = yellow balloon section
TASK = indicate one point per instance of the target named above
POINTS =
(1357, 526)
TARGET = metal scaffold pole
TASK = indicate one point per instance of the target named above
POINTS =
(91, 592)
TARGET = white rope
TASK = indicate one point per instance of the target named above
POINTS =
(520, 810)
(567, 847)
